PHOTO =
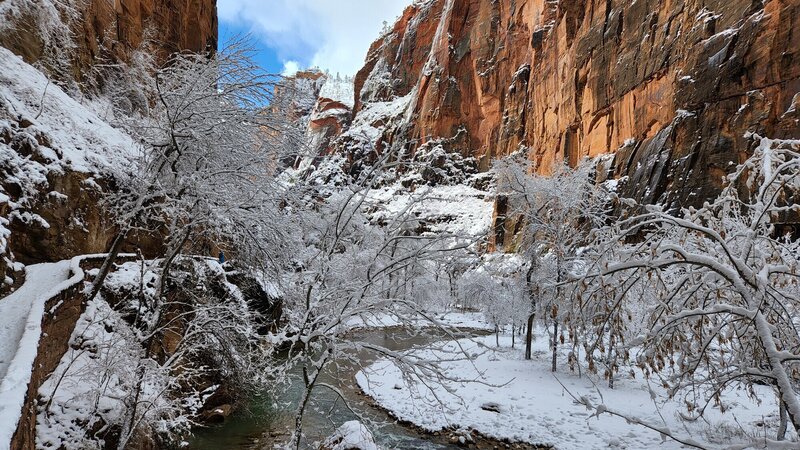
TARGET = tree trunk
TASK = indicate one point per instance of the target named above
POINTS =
(784, 420)
(298, 420)
(783, 383)
(555, 314)
(529, 337)
(129, 418)
(105, 268)
(167, 264)
(309, 382)
(610, 364)
(513, 335)
(610, 359)
(532, 316)
(555, 345)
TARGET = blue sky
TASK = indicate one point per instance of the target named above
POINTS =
(266, 56)
(294, 34)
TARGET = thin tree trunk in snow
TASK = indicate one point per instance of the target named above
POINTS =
(513, 335)
(555, 345)
(529, 336)
(129, 421)
(105, 268)
(610, 364)
(610, 360)
(555, 316)
(784, 419)
(784, 384)
(309, 383)
(173, 253)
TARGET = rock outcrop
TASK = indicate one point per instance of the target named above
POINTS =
(331, 115)
(58, 157)
(80, 36)
(319, 107)
(55, 159)
(669, 87)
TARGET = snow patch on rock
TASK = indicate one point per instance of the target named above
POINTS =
(352, 435)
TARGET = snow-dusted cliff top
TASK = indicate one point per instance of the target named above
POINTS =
(339, 89)
(69, 134)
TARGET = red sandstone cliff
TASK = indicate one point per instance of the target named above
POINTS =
(320, 107)
(94, 32)
(669, 86)
(88, 36)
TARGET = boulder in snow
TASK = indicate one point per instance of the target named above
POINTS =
(351, 435)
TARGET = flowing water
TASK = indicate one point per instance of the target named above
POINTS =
(266, 424)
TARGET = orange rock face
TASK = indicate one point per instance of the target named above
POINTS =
(320, 107)
(671, 87)
(171, 26)
(329, 119)
(107, 31)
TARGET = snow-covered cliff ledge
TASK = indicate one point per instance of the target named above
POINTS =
(55, 154)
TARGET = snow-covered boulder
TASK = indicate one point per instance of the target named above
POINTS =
(351, 435)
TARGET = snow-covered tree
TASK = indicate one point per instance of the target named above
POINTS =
(208, 162)
(718, 287)
(558, 211)
(125, 380)
(206, 177)
(355, 269)
(499, 293)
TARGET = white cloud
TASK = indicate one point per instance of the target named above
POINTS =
(290, 68)
(331, 34)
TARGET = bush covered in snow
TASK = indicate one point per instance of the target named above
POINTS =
(432, 164)
(718, 287)
(134, 372)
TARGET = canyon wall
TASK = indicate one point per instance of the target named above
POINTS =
(81, 37)
(670, 87)
(65, 200)
(58, 156)
(319, 107)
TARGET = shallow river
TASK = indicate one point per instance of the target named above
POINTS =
(265, 424)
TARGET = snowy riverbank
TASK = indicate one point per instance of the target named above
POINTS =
(523, 401)
(450, 320)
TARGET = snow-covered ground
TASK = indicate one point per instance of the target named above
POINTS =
(50, 134)
(15, 308)
(369, 124)
(454, 319)
(352, 435)
(92, 381)
(446, 209)
(523, 401)
(20, 329)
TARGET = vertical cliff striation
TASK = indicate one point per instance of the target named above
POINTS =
(78, 37)
(670, 87)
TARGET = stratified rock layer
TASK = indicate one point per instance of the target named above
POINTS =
(670, 86)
